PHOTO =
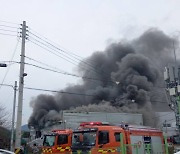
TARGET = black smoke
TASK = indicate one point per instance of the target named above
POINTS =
(129, 76)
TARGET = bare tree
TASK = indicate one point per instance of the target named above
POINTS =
(4, 117)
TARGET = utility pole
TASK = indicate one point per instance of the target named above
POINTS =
(13, 116)
(172, 78)
(21, 86)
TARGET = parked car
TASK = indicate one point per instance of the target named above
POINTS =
(2, 151)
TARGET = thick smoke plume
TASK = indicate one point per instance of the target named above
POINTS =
(129, 73)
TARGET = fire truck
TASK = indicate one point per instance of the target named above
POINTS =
(58, 141)
(97, 138)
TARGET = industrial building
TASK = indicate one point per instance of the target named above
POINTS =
(73, 119)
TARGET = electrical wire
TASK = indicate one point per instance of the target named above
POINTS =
(8, 30)
(7, 34)
(63, 72)
(60, 46)
(61, 92)
(52, 52)
(42, 63)
(10, 60)
(8, 26)
(60, 56)
(9, 22)
(52, 49)
(75, 58)
(66, 73)
(73, 61)
(61, 49)
(7, 85)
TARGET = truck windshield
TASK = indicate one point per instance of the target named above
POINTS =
(84, 139)
(49, 140)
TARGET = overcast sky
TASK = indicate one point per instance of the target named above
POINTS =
(79, 26)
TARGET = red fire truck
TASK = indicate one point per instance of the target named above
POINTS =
(96, 138)
(58, 141)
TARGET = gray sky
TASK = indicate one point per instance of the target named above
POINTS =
(78, 26)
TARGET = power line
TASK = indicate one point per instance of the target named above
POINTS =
(60, 56)
(61, 92)
(70, 54)
(51, 52)
(66, 73)
(7, 34)
(7, 85)
(59, 45)
(10, 60)
(51, 48)
(9, 22)
(8, 26)
(62, 50)
(72, 61)
(57, 71)
(43, 63)
(8, 30)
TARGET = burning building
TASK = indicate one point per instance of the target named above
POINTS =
(128, 79)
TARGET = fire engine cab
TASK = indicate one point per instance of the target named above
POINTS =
(58, 141)
(97, 137)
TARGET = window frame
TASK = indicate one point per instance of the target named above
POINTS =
(106, 132)
(59, 135)
(119, 138)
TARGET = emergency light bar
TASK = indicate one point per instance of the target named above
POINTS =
(93, 123)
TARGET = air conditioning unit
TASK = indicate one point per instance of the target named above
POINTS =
(172, 91)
